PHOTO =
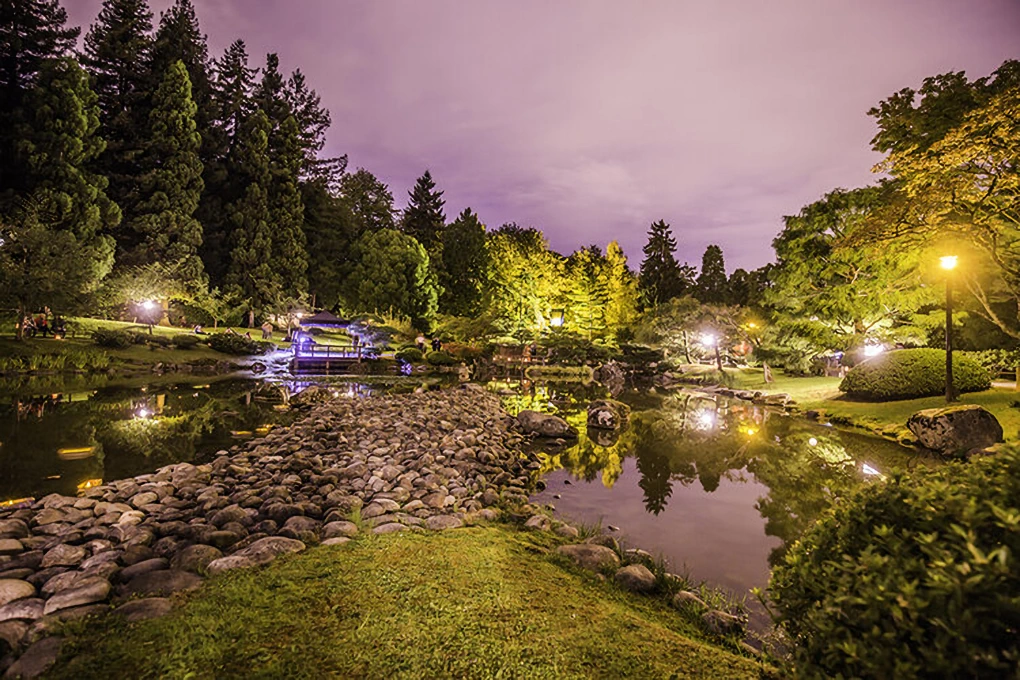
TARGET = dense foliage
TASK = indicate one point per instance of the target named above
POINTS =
(909, 373)
(231, 343)
(913, 577)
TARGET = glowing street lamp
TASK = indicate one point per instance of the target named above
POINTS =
(149, 307)
(556, 320)
(948, 262)
(710, 340)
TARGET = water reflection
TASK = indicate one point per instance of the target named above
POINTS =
(730, 468)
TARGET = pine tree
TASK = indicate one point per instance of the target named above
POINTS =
(369, 200)
(622, 304)
(424, 219)
(662, 278)
(58, 140)
(164, 226)
(31, 32)
(250, 276)
(286, 212)
(232, 101)
(313, 121)
(587, 295)
(711, 285)
(465, 263)
(116, 54)
(270, 95)
(330, 232)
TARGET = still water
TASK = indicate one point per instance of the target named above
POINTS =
(717, 487)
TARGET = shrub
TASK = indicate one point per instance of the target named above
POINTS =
(909, 373)
(462, 352)
(996, 361)
(160, 340)
(640, 355)
(184, 341)
(229, 343)
(915, 577)
(113, 338)
(440, 358)
(410, 355)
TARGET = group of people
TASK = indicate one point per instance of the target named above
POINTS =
(436, 343)
(41, 324)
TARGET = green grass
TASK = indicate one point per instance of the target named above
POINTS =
(477, 602)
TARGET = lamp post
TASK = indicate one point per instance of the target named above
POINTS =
(150, 307)
(948, 263)
(713, 342)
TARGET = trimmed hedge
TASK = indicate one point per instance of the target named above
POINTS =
(229, 343)
(440, 358)
(184, 341)
(914, 577)
(410, 355)
(113, 339)
(911, 373)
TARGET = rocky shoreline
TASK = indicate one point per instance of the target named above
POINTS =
(413, 462)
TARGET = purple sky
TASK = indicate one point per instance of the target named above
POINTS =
(590, 119)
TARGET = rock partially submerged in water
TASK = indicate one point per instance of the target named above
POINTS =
(955, 430)
(545, 425)
(608, 414)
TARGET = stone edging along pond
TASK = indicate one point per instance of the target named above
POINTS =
(428, 461)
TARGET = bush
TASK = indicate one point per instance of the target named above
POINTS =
(184, 341)
(229, 343)
(910, 373)
(113, 338)
(410, 355)
(462, 352)
(915, 577)
(160, 340)
(640, 355)
(440, 358)
(996, 361)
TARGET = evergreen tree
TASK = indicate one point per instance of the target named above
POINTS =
(286, 212)
(465, 264)
(369, 200)
(330, 232)
(662, 277)
(164, 226)
(313, 121)
(117, 50)
(587, 293)
(424, 219)
(31, 32)
(232, 101)
(251, 276)
(58, 140)
(711, 286)
(270, 95)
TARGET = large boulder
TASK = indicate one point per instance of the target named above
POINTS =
(955, 430)
(262, 551)
(590, 556)
(612, 376)
(544, 425)
(607, 414)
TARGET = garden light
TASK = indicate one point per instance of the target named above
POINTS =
(948, 261)
(873, 350)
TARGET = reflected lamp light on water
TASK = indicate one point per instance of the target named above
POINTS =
(75, 453)
(89, 483)
(948, 262)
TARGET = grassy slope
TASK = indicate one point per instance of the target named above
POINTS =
(823, 393)
(478, 602)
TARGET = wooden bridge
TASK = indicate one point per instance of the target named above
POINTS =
(327, 358)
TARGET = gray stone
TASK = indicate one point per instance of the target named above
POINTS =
(13, 589)
(389, 528)
(338, 529)
(442, 522)
(566, 531)
(12, 633)
(86, 591)
(144, 609)
(36, 659)
(721, 623)
(64, 555)
(143, 498)
(338, 540)
(262, 551)
(636, 578)
(195, 558)
(163, 582)
(13, 528)
(144, 567)
(590, 556)
(24, 610)
(607, 414)
(955, 430)
(685, 599)
(544, 425)
(538, 523)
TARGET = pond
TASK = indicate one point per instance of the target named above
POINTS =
(717, 487)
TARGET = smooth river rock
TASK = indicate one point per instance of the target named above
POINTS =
(143, 609)
(85, 591)
(544, 425)
(36, 659)
(14, 589)
(590, 556)
(262, 551)
(636, 578)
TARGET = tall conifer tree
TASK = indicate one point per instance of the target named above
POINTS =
(117, 50)
(424, 218)
(290, 258)
(662, 277)
(31, 32)
(169, 190)
(251, 276)
(712, 283)
(465, 263)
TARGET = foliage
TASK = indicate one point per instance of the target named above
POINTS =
(391, 274)
(524, 280)
(573, 350)
(910, 373)
(440, 358)
(996, 361)
(184, 341)
(915, 577)
(369, 200)
(424, 219)
(231, 343)
(711, 285)
(410, 355)
(286, 210)
(73, 360)
(662, 277)
(465, 264)
(114, 339)
(586, 292)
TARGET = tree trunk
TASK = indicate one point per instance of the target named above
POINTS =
(19, 328)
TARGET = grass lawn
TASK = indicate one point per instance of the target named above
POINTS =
(821, 393)
(483, 602)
